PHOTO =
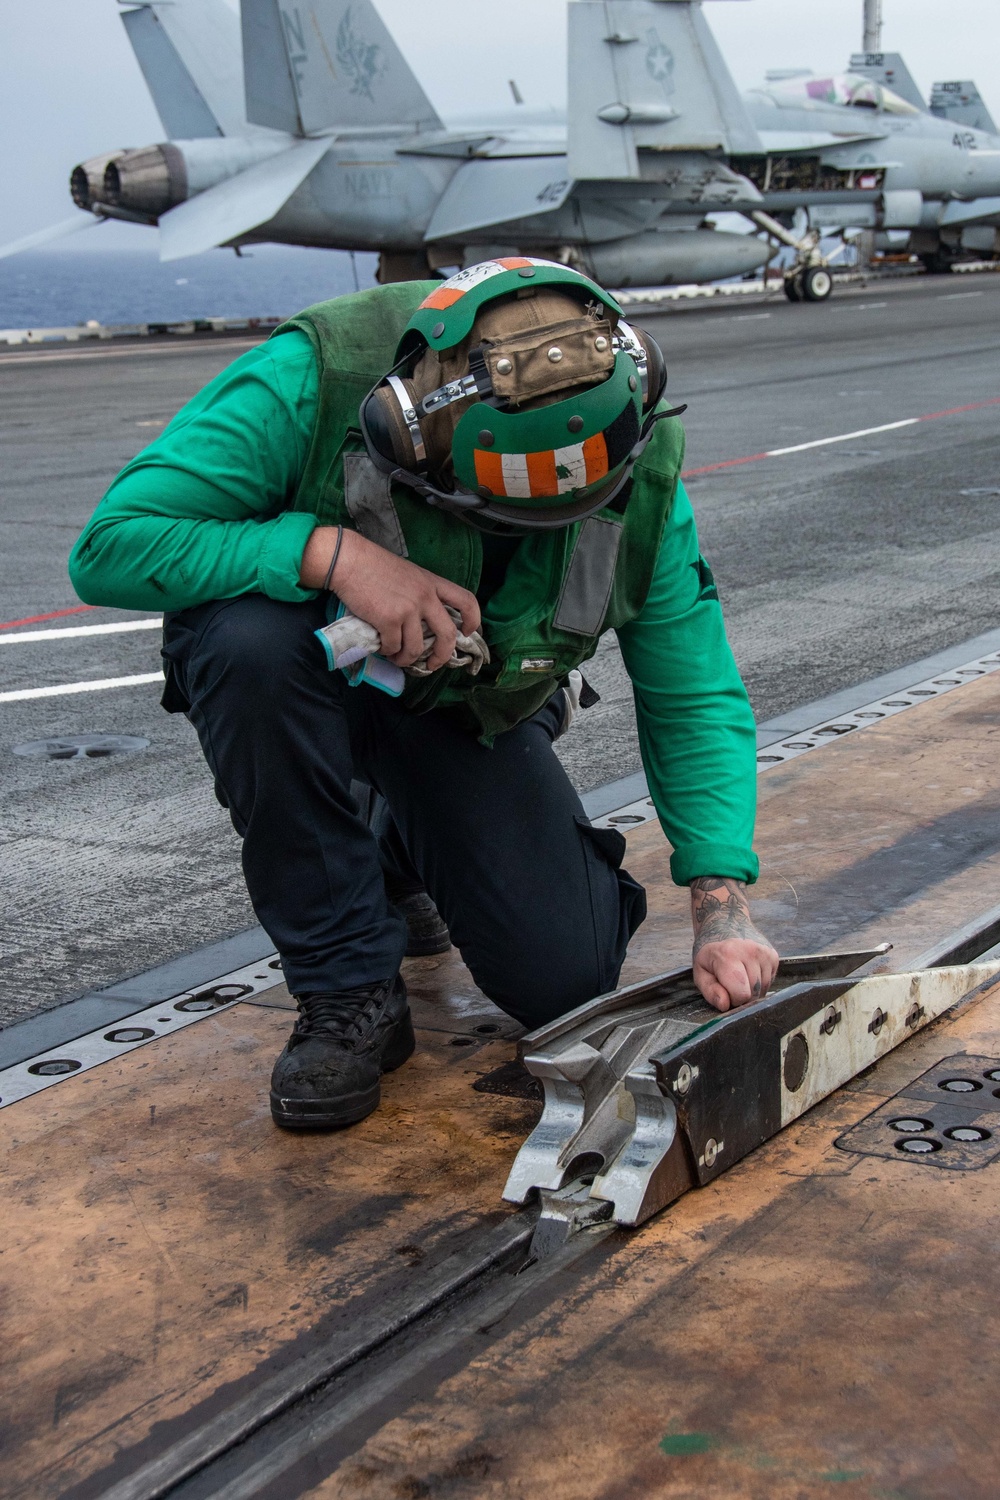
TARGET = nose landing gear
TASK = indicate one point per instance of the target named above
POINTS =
(809, 278)
(808, 284)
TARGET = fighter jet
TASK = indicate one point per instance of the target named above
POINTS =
(303, 123)
(933, 172)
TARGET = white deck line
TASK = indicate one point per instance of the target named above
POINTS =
(63, 689)
(843, 437)
(68, 632)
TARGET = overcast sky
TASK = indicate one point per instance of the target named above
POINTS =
(70, 86)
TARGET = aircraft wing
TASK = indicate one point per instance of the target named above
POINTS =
(54, 232)
(239, 204)
(492, 143)
(498, 191)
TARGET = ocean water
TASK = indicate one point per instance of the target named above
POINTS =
(56, 288)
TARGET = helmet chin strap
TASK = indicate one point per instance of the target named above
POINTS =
(477, 508)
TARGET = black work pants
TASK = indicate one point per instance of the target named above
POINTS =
(534, 897)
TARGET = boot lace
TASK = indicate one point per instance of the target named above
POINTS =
(334, 1016)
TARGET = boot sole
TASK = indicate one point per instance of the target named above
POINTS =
(296, 1114)
(349, 1109)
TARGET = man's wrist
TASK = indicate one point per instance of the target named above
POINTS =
(719, 910)
(319, 552)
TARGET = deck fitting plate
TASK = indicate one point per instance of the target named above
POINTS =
(947, 1117)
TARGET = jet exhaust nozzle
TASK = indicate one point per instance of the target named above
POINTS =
(148, 181)
(86, 181)
(131, 184)
(144, 183)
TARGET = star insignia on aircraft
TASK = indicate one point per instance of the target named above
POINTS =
(660, 61)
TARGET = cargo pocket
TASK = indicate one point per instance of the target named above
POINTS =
(618, 904)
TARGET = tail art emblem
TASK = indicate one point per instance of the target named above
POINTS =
(360, 60)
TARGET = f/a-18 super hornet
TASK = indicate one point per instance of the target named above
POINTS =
(303, 124)
(932, 171)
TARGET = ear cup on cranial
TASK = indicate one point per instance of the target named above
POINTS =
(656, 368)
(387, 427)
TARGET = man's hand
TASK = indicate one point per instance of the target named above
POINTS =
(394, 595)
(733, 962)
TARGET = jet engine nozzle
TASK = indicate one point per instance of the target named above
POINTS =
(86, 182)
(148, 181)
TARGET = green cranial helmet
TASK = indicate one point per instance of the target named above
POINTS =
(518, 397)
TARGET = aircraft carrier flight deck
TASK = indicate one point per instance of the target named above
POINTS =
(645, 1249)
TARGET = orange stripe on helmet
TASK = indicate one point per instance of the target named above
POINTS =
(595, 456)
(489, 471)
(443, 297)
(542, 473)
(513, 262)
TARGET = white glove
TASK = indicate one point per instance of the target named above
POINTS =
(352, 639)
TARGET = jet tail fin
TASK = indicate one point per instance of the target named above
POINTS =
(323, 64)
(962, 103)
(889, 69)
(189, 53)
(647, 74)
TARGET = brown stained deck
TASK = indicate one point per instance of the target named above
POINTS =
(162, 1244)
(813, 1324)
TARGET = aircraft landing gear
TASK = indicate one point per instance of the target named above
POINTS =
(817, 283)
(809, 279)
(811, 284)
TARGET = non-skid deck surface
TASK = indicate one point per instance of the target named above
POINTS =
(162, 1243)
(814, 1324)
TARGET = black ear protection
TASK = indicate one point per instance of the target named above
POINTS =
(392, 413)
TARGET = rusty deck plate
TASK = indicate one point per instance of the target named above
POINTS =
(809, 1318)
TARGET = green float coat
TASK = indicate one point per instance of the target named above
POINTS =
(224, 501)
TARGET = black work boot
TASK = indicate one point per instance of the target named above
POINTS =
(329, 1072)
(426, 930)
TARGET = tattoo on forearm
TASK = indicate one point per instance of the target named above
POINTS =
(719, 911)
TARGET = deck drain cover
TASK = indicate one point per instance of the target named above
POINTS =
(83, 746)
(933, 1121)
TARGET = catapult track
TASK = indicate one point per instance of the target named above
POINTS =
(229, 1311)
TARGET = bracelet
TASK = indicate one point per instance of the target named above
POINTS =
(333, 563)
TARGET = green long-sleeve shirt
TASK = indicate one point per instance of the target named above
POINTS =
(203, 513)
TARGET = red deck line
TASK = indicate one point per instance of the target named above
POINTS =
(726, 463)
(55, 614)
